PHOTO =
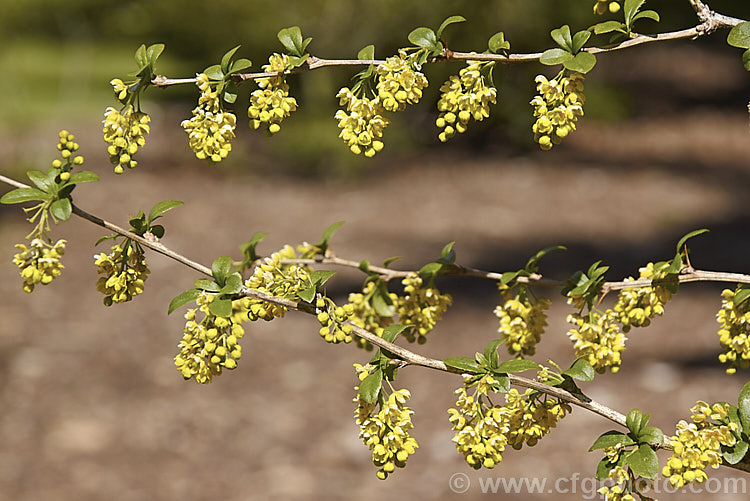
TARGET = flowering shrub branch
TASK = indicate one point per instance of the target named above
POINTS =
(409, 303)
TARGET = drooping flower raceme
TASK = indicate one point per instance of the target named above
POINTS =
(365, 316)
(421, 307)
(124, 274)
(271, 103)
(361, 123)
(464, 96)
(211, 129)
(597, 338)
(384, 427)
(697, 445)
(124, 131)
(522, 322)
(636, 306)
(734, 332)
(399, 83)
(39, 262)
(209, 344)
(557, 107)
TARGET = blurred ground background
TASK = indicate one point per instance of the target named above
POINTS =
(91, 406)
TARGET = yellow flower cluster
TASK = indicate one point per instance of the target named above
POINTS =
(480, 430)
(386, 431)
(637, 306)
(522, 322)
(399, 83)
(66, 145)
(271, 103)
(464, 96)
(597, 338)
(421, 307)
(619, 491)
(531, 416)
(273, 277)
(697, 445)
(124, 131)
(362, 123)
(39, 262)
(557, 108)
(734, 332)
(211, 129)
(602, 6)
(365, 316)
(208, 345)
(125, 273)
(331, 319)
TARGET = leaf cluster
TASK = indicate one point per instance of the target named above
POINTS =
(739, 36)
(624, 29)
(220, 75)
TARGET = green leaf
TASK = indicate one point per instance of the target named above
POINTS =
(370, 386)
(739, 35)
(630, 8)
(240, 65)
(423, 37)
(230, 93)
(83, 177)
(562, 36)
(159, 209)
(633, 421)
(41, 179)
(221, 307)
(490, 352)
(364, 266)
(327, 234)
(320, 277)
(746, 59)
(390, 260)
(742, 294)
(734, 417)
(736, 453)
(447, 255)
(608, 27)
(183, 298)
(227, 58)
(503, 384)
(463, 364)
(647, 14)
(20, 195)
(743, 406)
(580, 39)
(447, 22)
(430, 269)
(643, 461)
(581, 370)
(652, 435)
(382, 303)
(583, 62)
(248, 248)
(532, 265)
(367, 53)
(233, 284)
(61, 209)
(141, 59)
(214, 72)
(517, 365)
(611, 439)
(157, 230)
(307, 294)
(509, 276)
(206, 285)
(105, 238)
(153, 52)
(220, 269)
(391, 332)
(551, 57)
(291, 38)
(497, 42)
(687, 237)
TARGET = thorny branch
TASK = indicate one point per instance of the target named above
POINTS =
(710, 22)
(405, 356)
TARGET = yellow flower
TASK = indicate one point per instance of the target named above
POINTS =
(40, 262)
(399, 83)
(597, 338)
(464, 97)
(125, 274)
(125, 131)
(522, 322)
(211, 129)
(362, 124)
(557, 107)
(271, 103)
(734, 332)
(421, 307)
